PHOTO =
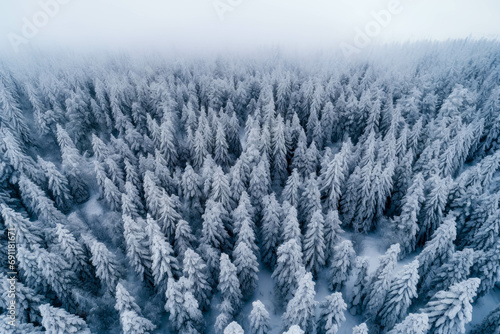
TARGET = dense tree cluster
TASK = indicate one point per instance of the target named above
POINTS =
(150, 195)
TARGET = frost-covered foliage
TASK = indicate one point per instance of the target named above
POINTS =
(153, 195)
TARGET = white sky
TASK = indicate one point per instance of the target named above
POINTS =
(194, 25)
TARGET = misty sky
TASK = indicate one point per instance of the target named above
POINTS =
(196, 26)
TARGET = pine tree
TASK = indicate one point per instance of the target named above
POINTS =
(290, 228)
(72, 250)
(279, 152)
(221, 155)
(164, 263)
(413, 324)
(168, 142)
(289, 268)
(56, 272)
(437, 250)
(233, 328)
(381, 281)
(196, 273)
(331, 180)
(71, 163)
(432, 211)
(331, 314)
(291, 191)
(168, 215)
(220, 189)
(486, 267)
(450, 310)
(360, 329)
(332, 232)
(191, 188)
(247, 268)
(27, 233)
(341, 264)
(106, 265)
(214, 233)
(133, 323)
(58, 321)
(229, 286)
(300, 309)
(38, 203)
(244, 211)
(310, 201)
(184, 313)
(399, 297)
(259, 184)
(407, 222)
(314, 244)
(136, 242)
(294, 329)
(112, 194)
(124, 300)
(270, 229)
(260, 321)
(455, 270)
(359, 289)
(57, 184)
(184, 238)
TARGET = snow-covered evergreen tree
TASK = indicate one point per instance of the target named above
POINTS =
(360, 329)
(414, 323)
(229, 286)
(300, 309)
(331, 314)
(314, 244)
(58, 321)
(214, 233)
(341, 264)
(247, 267)
(106, 265)
(270, 229)
(381, 281)
(291, 191)
(260, 322)
(399, 297)
(233, 328)
(359, 289)
(195, 271)
(289, 268)
(450, 310)
(184, 313)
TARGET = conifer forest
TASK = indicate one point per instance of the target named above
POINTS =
(245, 194)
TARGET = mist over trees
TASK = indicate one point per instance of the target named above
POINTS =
(236, 195)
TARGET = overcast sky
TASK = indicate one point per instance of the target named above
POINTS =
(196, 25)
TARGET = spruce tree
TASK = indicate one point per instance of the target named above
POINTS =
(229, 286)
(331, 314)
(381, 281)
(300, 309)
(270, 229)
(360, 284)
(314, 244)
(289, 268)
(450, 310)
(399, 297)
(291, 191)
(196, 273)
(260, 321)
(341, 264)
(58, 321)
(414, 323)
